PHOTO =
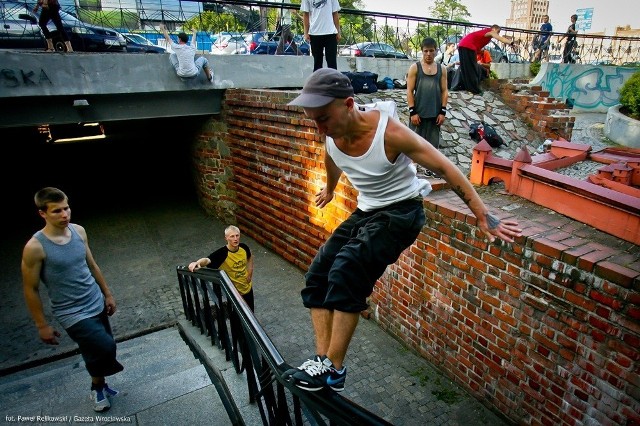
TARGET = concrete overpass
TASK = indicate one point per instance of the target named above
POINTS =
(39, 88)
(62, 88)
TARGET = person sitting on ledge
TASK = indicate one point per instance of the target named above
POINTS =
(183, 57)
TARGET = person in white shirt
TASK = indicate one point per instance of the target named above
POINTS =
(322, 30)
(183, 57)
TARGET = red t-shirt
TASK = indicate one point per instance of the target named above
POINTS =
(484, 57)
(475, 40)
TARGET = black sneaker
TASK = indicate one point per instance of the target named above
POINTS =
(336, 378)
(318, 373)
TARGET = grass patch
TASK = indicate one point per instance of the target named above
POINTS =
(421, 375)
(447, 395)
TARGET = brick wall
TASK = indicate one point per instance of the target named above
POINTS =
(546, 115)
(546, 330)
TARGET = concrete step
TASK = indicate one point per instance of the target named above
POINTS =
(236, 383)
(163, 383)
(144, 358)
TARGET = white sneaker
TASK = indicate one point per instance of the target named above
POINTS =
(100, 400)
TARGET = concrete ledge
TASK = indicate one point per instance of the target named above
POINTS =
(621, 129)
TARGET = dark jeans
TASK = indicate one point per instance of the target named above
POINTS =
(249, 299)
(97, 345)
(347, 266)
(52, 13)
(328, 44)
(568, 50)
(467, 77)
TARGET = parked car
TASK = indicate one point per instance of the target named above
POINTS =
(87, 37)
(229, 45)
(373, 50)
(138, 44)
(516, 58)
(555, 58)
(266, 43)
(19, 27)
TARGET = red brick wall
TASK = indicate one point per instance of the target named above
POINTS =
(547, 329)
(547, 116)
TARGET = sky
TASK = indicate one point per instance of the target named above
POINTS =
(607, 14)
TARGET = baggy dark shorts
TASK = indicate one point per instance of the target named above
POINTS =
(346, 268)
(97, 345)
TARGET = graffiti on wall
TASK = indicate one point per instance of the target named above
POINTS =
(592, 88)
(18, 78)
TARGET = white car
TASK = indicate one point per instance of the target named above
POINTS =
(230, 45)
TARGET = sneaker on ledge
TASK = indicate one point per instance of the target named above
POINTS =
(100, 400)
(319, 373)
(109, 392)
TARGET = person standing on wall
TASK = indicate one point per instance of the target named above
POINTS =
(322, 30)
(543, 39)
(235, 259)
(51, 12)
(59, 256)
(469, 73)
(427, 95)
(183, 57)
(567, 53)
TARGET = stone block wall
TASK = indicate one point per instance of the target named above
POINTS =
(545, 330)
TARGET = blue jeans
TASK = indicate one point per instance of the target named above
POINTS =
(200, 63)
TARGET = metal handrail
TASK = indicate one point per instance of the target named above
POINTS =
(212, 303)
(403, 32)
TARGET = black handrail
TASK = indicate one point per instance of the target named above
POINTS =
(212, 303)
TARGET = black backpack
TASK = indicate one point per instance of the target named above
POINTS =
(363, 81)
(481, 130)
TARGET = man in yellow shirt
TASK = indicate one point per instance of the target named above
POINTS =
(235, 259)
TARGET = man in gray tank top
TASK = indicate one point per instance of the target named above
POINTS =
(59, 256)
(427, 94)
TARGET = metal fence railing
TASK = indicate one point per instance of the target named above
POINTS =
(212, 303)
(402, 32)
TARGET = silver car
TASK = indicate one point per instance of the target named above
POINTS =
(229, 45)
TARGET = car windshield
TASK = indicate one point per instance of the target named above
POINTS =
(69, 18)
(137, 38)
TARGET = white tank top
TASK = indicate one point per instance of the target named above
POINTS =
(378, 181)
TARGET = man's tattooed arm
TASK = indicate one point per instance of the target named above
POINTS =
(460, 193)
(492, 221)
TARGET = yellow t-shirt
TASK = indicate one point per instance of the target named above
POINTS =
(234, 264)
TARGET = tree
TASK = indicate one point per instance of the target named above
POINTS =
(450, 10)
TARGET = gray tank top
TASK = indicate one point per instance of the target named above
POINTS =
(75, 295)
(428, 94)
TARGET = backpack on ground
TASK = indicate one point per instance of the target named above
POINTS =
(481, 130)
(363, 81)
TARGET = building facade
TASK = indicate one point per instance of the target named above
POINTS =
(527, 14)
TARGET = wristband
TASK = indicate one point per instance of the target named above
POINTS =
(412, 111)
(443, 111)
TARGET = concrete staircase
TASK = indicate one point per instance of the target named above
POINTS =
(163, 383)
